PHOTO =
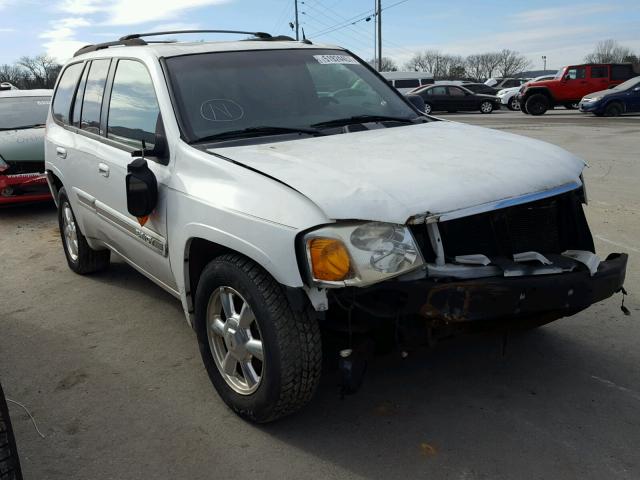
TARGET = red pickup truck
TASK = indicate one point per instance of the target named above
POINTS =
(571, 84)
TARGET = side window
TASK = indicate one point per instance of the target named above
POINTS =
(599, 72)
(456, 92)
(575, 73)
(77, 102)
(621, 72)
(64, 92)
(93, 92)
(133, 108)
(407, 83)
(438, 91)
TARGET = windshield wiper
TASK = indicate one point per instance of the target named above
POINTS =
(255, 132)
(362, 119)
(23, 127)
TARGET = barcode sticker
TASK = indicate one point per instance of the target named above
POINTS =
(336, 59)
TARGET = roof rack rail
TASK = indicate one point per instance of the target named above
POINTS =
(136, 38)
(262, 35)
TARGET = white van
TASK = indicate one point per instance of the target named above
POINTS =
(404, 82)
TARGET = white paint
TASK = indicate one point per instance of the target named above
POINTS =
(633, 394)
(392, 174)
(617, 244)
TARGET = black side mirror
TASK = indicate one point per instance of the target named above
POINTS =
(142, 189)
(417, 101)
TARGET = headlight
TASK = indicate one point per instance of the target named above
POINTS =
(360, 254)
(501, 93)
(591, 99)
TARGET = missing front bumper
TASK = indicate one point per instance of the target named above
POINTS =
(511, 299)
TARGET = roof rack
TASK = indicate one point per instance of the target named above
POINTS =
(136, 38)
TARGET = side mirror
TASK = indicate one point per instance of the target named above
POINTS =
(142, 190)
(417, 101)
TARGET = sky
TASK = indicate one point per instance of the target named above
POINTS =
(563, 31)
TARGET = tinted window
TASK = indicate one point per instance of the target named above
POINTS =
(426, 81)
(133, 108)
(77, 102)
(599, 72)
(511, 83)
(456, 92)
(408, 83)
(64, 92)
(437, 91)
(225, 92)
(16, 112)
(575, 73)
(93, 92)
(621, 72)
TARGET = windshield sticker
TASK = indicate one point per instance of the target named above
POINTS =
(221, 110)
(335, 60)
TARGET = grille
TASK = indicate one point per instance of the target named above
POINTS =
(551, 225)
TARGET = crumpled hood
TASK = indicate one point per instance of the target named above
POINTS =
(394, 173)
(25, 145)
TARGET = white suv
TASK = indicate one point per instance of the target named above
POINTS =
(276, 187)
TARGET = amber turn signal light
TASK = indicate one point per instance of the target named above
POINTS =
(329, 259)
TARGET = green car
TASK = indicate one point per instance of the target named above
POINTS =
(23, 114)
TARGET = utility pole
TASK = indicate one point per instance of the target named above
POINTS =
(379, 17)
(297, 24)
(544, 59)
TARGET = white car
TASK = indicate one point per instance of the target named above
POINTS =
(509, 96)
(271, 212)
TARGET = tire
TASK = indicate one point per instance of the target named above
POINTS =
(9, 461)
(514, 104)
(81, 258)
(537, 104)
(428, 108)
(486, 107)
(613, 110)
(523, 108)
(285, 378)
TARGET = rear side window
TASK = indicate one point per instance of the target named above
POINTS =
(93, 92)
(408, 83)
(77, 102)
(64, 92)
(133, 108)
(456, 92)
(621, 72)
(599, 72)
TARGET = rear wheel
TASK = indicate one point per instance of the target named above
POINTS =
(537, 104)
(514, 103)
(9, 461)
(81, 257)
(613, 110)
(263, 357)
(486, 107)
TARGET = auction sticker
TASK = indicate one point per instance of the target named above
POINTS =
(336, 59)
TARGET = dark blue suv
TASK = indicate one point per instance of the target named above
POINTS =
(620, 99)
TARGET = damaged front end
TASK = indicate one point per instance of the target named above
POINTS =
(519, 265)
(22, 181)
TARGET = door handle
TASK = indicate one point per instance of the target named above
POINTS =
(61, 152)
(103, 169)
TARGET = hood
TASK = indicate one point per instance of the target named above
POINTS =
(394, 173)
(509, 90)
(601, 93)
(22, 145)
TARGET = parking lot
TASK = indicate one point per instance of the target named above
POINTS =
(112, 374)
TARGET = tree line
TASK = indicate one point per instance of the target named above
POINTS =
(27, 73)
(505, 63)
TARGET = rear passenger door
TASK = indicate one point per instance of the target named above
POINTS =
(599, 77)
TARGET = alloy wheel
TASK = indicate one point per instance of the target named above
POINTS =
(70, 231)
(235, 340)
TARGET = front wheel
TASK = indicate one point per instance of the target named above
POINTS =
(81, 258)
(537, 104)
(263, 357)
(613, 110)
(486, 107)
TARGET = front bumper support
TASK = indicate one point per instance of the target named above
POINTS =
(546, 297)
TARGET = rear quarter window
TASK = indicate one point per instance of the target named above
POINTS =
(65, 92)
(621, 72)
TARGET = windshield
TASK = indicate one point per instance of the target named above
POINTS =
(232, 91)
(628, 84)
(20, 112)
